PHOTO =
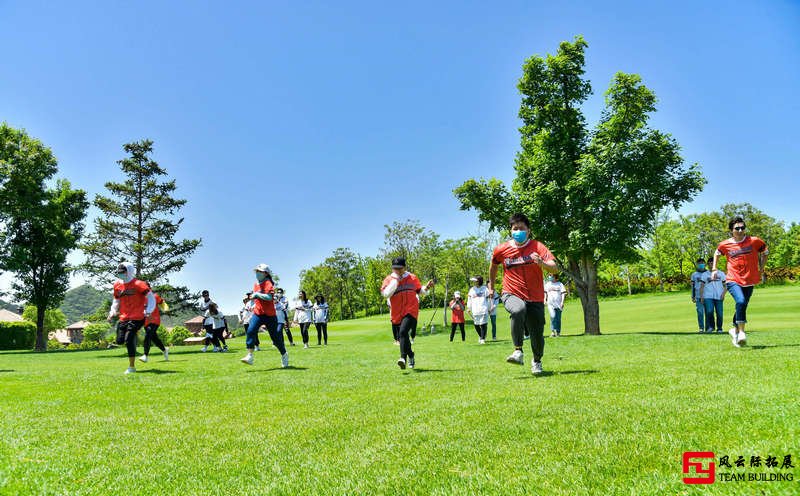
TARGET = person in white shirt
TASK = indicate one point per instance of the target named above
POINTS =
(302, 315)
(697, 278)
(282, 312)
(321, 319)
(245, 313)
(218, 326)
(208, 323)
(554, 293)
(713, 292)
(478, 300)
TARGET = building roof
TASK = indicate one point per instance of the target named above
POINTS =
(78, 326)
(195, 320)
(9, 316)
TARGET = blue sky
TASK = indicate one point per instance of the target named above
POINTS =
(294, 128)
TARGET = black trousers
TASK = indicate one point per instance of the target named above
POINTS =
(453, 326)
(126, 333)
(396, 332)
(322, 330)
(481, 330)
(304, 331)
(151, 336)
(213, 339)
(406, 325)
(219, 333)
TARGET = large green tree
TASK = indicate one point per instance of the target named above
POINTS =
(590, 195)
(138, 224)
(41, 224)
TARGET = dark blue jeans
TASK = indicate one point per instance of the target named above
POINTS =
(741, 295)
(712, 307)
(271, 322)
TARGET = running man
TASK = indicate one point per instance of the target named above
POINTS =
(133, 302)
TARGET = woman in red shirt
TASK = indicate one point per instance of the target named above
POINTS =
(263, 298)
(747, 256)
(457, 306)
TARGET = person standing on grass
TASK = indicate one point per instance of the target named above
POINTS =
(264, 314)
(495, 302)
(133, 302)
(302, 315)
(151, 325)
(282, 311)
(713, 294)
(218, 325)
(457, 321)
(698, 281)
(747, 257)
(208, 323)
(554, 294)
(478, 305)
(402, 288)
(320, 313)
(523, 290)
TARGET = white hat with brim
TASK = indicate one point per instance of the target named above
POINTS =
(262, 267)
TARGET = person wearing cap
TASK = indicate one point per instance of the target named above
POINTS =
(523, 259)
(208, 322)
(302, 315)
(282, 312)
(264, 314)
(554, 294)
(747, 257)
(402, 288)
(478, 306)
(457, 321)
(151, 325)
(133, 303)
(320, 317)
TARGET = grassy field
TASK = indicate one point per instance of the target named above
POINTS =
(612, 414)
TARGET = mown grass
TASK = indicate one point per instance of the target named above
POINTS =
(611, 415)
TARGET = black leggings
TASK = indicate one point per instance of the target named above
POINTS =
(151, 336)
(219, 333)
(481, 330)
(304, 331)
(396, 332)
(213, 339)
(453, 326)
(283, 327)
(406, 326)
(126, 333)
(322, 330)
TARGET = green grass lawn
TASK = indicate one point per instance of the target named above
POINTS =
(612, 414)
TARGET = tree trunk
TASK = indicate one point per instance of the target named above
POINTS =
(41, 342)
(585, 277)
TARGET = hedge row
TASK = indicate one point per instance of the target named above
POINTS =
(17, 335)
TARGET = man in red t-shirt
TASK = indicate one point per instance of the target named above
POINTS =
(133, 302)
(747, 256)
(522, 259)
(401, 287)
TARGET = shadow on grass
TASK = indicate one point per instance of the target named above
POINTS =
(6, 371)
(156, 371)
(758, 346)
(290, 367)
(549, 373)
(423, 371)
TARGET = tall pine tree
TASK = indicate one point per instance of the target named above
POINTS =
(138, 224)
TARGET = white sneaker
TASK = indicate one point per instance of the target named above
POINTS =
(536, 367)
(203, 349)
(166, 354)
(305, 346)
(411, 362)
(143, 358)
(412, 341)
(401, 362)
(216, 349)
(553, 334)
(258, 349)
(515, 357)
(285, 360)
(741, 340)
(732, 332)
(248, 359)
(481, 341)
(130, 370)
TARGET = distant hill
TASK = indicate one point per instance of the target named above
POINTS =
(81, 301)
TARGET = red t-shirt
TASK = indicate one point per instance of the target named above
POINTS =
(132, 298)
(155, 316)
(264, 307)
(404, 300)
(522, 277)
(458, 312)
(743, 259)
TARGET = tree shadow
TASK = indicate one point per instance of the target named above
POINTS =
(7, 370)
(423, 371)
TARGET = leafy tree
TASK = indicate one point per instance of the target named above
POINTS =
(787, 253)
(137, 224)
(758, 224)
(53, 318)
(590, 195)
(40, 224)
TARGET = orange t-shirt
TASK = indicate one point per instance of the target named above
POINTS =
(522, 277)
(404, 300)
(132, 298)
(264, 307)
(155, 317)
(458, 312)
(742, 259)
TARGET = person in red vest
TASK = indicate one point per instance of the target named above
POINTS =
(263, 298)
(402, 288)
(457, 306)
(523, 259)
(747, 257)
(151, 325)
(133, 302)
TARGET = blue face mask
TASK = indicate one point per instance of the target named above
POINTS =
(701, 266)
(519, 236)
(261, 276)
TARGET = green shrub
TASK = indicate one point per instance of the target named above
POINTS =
(54, 345)
(73, 346)
(178, 334)
(163, 334)
(96, 332)
(89, 345)
(17, 335)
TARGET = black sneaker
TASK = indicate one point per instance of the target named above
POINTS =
(411, 362)
(401, 362)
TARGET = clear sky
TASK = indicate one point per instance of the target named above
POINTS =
(294, 128)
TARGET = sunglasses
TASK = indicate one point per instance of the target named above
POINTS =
(739, 228)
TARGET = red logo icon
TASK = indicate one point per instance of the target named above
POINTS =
(702, 475)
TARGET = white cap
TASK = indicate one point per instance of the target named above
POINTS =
(473, 279)
(262, 267)
(457, 294)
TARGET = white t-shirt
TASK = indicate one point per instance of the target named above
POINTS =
(320, 313)
(302, 311)
(554, 293)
